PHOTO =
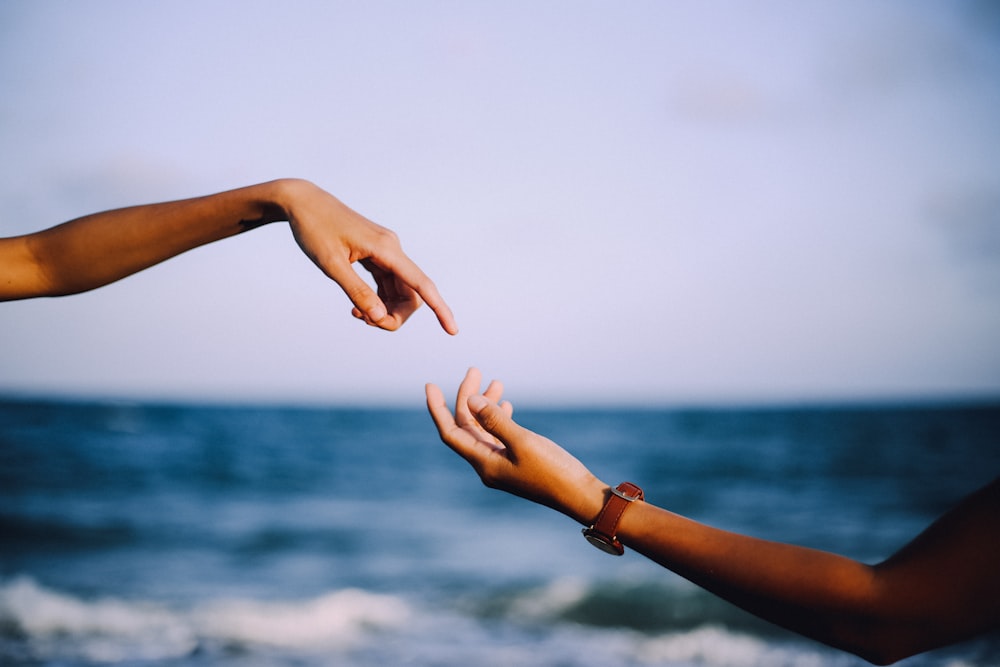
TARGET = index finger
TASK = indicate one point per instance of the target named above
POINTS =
(411, 275)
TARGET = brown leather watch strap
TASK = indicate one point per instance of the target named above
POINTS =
(605, 528)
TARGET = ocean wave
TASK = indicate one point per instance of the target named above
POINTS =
(711, 645)
(675, 624)
(644, 606)
(357, 628)
(49, 625)
(335, 620)
(52, 625)
(539, 627)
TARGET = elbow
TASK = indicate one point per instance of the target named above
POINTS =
(882, 645)
(880, 656)
(875, 651)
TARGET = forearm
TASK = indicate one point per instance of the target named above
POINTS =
(98, 249)
(939, 589)
(820, 595)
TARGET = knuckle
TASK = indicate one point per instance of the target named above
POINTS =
(385, 236)
(489, 478)
(489, 418)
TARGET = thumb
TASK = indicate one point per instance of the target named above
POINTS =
(493, 419)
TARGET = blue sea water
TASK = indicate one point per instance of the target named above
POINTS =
(190, 535)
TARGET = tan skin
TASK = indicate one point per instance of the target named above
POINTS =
(941, 588)
(98, 249)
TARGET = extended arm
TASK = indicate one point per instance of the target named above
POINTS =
(98, 249)
(941, 588)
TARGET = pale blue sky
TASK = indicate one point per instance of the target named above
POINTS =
(653, 201)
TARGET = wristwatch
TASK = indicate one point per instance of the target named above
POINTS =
(604, 533)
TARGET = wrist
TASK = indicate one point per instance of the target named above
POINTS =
(263, 203)
(285, 195)
(589, 501)
(603, 533)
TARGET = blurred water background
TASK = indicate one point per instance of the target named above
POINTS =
(186, 535)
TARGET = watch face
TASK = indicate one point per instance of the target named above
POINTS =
(602, 543)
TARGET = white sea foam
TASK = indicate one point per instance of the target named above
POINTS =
(337, 619)
(551, 600)
(350, 626)
(56, 625)
(104, 630)
(709, 645)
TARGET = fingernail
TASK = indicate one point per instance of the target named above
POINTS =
(477, 402)
(376, 313)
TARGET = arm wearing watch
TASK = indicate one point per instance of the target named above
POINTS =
(101, 248)
(941, 588)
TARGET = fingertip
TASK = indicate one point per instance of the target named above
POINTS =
(446, 320)
(477, 402)
(377, 312)
(429, 294)
(449, 325)
(358, 314)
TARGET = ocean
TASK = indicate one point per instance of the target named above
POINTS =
(191, 535)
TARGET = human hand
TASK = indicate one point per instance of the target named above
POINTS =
(511, 458)
(334, 237)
